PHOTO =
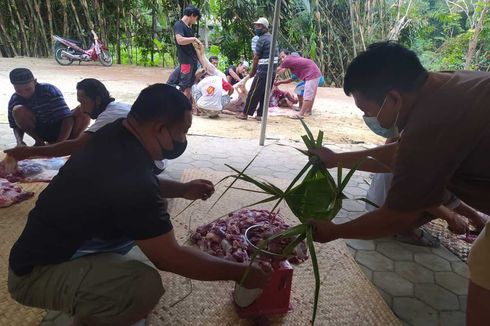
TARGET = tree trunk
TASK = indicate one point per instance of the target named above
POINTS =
(476, 34)
(34, 40)
(153, 34)
(42, 30)
(354, 47)
(118, 33)
(26, 51)
(86, 12)
(78, 25)
(65, 18)
(50, 17)
(4, 36)
(321, 57)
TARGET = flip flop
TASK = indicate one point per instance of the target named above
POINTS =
(241, 117)
(296, 117)
(424, 240)
(258, 118)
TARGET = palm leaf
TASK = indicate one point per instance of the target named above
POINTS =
(316, 272)
(319, 139)
(290, 247)
(233, 182)
(308, 131)
(368, 202)
(351, 173)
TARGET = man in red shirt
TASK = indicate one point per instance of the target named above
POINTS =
(306, 70)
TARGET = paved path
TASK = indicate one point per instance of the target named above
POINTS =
(423, 286)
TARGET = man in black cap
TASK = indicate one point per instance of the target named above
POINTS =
(41, 111)
(259, 70)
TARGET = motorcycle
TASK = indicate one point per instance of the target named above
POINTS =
(66, 51)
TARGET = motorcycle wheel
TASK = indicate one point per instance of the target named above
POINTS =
(62, 60)
(105, 58)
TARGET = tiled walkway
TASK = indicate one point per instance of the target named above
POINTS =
(423, 286)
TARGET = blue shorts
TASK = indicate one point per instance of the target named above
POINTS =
(300, 87)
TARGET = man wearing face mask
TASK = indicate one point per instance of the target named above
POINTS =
(444, 123)
(259, 71)
(73, 253)
(40, 111)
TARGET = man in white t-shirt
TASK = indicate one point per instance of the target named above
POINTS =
(211, 93)
(96, 102)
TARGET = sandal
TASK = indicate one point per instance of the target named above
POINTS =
(423, 240)
(241, 116)
(258, 118)
(297, 117)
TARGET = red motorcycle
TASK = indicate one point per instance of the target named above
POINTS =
(66, 51)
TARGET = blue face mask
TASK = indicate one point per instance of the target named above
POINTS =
(259, 31)
(375, 126)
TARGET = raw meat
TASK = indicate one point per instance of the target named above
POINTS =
(34, 170)
(225, 237)
(11, 193)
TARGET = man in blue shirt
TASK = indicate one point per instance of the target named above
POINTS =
(41, 111)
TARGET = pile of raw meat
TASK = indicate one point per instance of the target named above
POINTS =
(33, 170)
(225, 237)
(11, 193)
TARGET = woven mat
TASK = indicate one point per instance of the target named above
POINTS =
(438, 228)
(12, 221)
(346, 298)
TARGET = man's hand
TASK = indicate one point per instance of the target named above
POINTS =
(457, 224)
(328, 157)
(324, 231)
(198, 42)
(257, 278)
(198, 189)
(19, 153)
(277, 83)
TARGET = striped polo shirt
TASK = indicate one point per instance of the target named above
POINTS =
(47, 104)
(262, 50)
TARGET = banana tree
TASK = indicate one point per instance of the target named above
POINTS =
(317, 196)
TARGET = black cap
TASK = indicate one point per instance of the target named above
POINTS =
(20, 76)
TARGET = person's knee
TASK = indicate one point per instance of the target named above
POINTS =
(144, 291)
(23, 117)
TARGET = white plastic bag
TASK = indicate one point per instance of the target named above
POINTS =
(378, 190)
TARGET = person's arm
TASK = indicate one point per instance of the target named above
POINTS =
(63, 148)
(19, 135)
(195, 189)
(281, 70)
(285, 81)
(234, 74)
(65, 130)
(255, 63)
(383, 158)
(379, 223)
(181, 40)
(167, 255)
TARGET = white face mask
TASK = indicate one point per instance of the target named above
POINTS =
(375, 126)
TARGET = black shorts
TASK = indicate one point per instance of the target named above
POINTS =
(187, 75)
(49, 132)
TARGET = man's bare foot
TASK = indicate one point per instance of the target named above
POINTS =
(242, 116)
(258, 118)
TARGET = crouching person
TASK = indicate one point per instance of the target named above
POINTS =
(211, 93)
(72, 255)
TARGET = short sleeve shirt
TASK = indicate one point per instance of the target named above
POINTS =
(211, 89)
(305, 69)
(112, 112)
(185, 53)
(105, 191)
(445, 146)
(47, 104)
(262, 50)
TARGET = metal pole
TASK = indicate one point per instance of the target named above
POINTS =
(270, 67)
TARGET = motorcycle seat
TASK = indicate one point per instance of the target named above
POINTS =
(77, 42)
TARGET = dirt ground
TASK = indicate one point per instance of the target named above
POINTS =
(333, 112)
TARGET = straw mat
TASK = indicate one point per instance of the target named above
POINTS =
(438, 228)
(346, 296)
(12, 221)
